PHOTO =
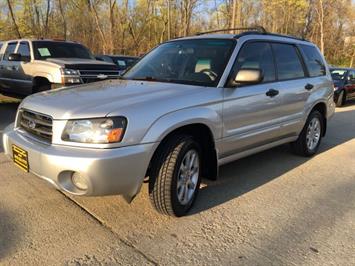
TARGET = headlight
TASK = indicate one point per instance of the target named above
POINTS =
(69, 72)
(98, 130)
(335, 88)
(70, 76)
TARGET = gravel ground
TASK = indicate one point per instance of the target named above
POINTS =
(272, 208)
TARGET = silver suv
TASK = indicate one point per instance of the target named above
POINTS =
(29, 66)
(186, 108)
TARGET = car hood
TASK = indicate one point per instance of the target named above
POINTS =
(119, 97)
(67, 62)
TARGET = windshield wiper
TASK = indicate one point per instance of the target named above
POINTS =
(147, 78)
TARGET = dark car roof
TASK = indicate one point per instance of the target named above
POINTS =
(342, 68)
(120, 56)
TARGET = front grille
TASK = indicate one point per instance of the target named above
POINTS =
(36, 124)
(95, 73)
(88, 76)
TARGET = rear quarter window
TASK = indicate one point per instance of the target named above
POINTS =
(313, 60)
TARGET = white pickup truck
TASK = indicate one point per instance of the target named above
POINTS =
(29, 66)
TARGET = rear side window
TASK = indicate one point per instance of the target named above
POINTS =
(10, 49)
(256, 55)
(288, 61)
(313, 60)
(24, 50)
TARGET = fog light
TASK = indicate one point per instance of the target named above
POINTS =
(79, 181)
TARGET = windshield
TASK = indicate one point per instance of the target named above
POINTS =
(338, 74)
(43, 50)
(194, 62)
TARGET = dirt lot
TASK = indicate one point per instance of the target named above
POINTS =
(270, 208)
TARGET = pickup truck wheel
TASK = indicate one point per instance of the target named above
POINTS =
(309, 140)
(176, 176)
(42, 87)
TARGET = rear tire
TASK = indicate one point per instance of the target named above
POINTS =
(175, 176)
(310, 138)
(341, 99)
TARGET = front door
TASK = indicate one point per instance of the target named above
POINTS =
(7, 68)
(22, 79)
(251, 113)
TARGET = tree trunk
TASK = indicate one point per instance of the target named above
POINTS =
(321, 24)
(112, 26)
(97, 21)
(352, 58)
(234, 10)
(47, 18)
(169, 20)
(61, 10)
(13, 19)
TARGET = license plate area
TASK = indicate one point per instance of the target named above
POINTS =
(20, 158)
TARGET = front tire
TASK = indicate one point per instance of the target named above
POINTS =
(309, 140)
(176, 176)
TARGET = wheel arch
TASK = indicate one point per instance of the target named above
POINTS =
(38, 81)
(322, 108)
(204, 136)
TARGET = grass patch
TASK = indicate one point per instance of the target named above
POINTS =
(6, 99)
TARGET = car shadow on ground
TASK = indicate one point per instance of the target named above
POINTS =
(7, 228)
(247, 174)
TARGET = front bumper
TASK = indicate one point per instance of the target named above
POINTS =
(118, 171)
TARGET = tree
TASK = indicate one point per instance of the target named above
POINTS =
(13, 18)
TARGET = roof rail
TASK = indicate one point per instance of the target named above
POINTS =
(259, 29)
(287, 36)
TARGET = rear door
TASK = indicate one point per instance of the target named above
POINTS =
(251, 117)
(294, 87)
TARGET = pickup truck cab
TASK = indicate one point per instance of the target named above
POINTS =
(29, 66)
(186, 108)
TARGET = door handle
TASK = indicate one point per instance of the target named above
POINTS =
(272, 93)
(309, 87)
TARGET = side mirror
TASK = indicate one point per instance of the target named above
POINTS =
(15, 57)
(248, 76)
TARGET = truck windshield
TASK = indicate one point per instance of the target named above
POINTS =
(45, 49)
(195, 62)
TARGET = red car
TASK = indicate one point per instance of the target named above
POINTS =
(344, 84)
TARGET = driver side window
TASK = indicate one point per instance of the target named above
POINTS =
(9, 50)
(256, 55)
